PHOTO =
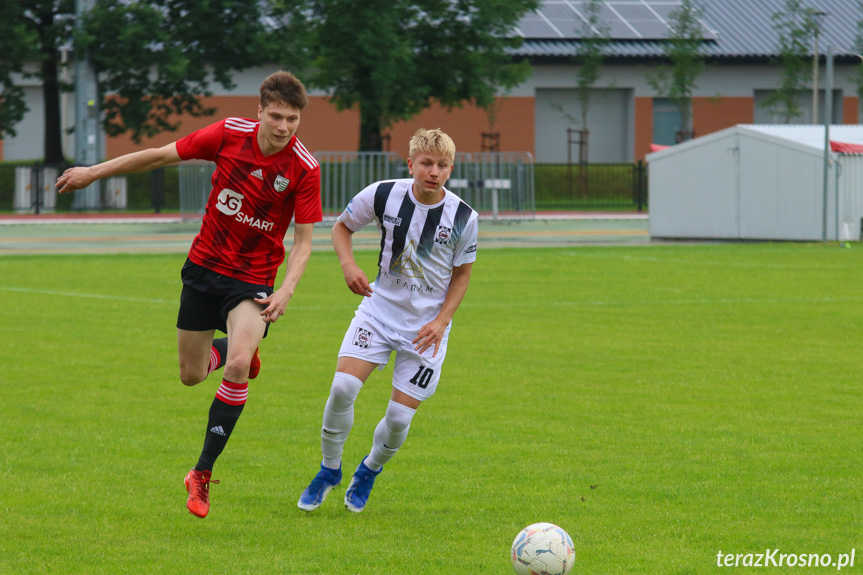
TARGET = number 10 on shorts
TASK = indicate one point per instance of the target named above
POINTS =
(422, 377)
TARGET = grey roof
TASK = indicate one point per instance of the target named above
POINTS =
(638, 28)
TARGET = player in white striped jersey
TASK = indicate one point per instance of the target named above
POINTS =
(428, 246)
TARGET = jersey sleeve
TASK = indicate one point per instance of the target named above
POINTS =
(360, 211)
(307, 206)
(202, 144)
(465, 248)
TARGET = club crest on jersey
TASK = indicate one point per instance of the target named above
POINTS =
(281, 183)
(443, 235)
(363, 338)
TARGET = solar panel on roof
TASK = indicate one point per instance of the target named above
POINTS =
(624, 19)
(535, 27)
(633, 11)
(651, 29)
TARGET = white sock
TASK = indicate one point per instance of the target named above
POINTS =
(390, 434)
(338, 417)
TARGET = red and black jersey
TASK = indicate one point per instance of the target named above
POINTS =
(252, 201)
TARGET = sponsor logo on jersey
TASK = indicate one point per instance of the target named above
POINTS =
(408, 264)
(443, 235)
(392, 220)
(281, 183)
(363, 338)
(254, 222)
(471, 249)
(258, 174)
(230, 203)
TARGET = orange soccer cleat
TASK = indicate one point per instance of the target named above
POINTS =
(198, 486)
(255, 366)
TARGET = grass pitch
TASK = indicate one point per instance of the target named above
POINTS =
(661, 404)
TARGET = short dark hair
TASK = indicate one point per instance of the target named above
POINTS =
(283, 87)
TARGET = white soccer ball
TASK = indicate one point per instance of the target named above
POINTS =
(543, 549)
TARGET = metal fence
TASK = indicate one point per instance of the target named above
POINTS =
(35, 191)
(497, 185)
(195, 181)
(592, 186)
(343, 174)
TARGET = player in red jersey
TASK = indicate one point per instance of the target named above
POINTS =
(264, 177)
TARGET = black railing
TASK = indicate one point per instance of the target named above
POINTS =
(591, 186)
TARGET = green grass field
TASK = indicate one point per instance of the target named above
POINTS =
(660, 403)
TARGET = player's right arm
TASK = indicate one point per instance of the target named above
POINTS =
(344, 246)
(80, 177)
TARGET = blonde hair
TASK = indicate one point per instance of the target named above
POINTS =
(283, 87)
(431, 142)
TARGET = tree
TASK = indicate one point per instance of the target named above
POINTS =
(683, 49)
(588, 56)
(48, 23)
(155, 59)
(392, 58)
(795, 27)
(16, 47)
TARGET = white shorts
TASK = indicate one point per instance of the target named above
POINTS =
(414, 374)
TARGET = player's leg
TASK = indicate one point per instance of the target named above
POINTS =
(245, 332)
(389, 436)
(195, 353)
(363, 349)
(246, 329)
(392, 430)
(197, 321)
(338, 420)
(219, 356)
(415, 379)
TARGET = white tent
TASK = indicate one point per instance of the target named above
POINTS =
(759, 182)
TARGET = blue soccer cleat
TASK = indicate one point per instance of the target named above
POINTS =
(361, 485)
(319, 488)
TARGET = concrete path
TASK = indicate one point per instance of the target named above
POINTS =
(155, 233)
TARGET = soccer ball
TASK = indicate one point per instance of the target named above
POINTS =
(543, 549)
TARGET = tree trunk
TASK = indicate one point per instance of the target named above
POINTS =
(53, 145)
(370, 133)
(51, 95)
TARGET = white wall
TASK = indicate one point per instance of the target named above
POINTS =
(743, 184)
(609, 122)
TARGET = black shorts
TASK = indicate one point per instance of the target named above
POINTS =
(208, 297)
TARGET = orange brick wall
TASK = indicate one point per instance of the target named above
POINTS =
(643, 126)
(322, 128)
(514, 119)
(849, 110)
(713, 114)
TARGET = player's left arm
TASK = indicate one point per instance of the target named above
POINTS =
(298, 257)
(431, 334)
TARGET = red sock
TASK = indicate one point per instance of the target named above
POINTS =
(233, 393)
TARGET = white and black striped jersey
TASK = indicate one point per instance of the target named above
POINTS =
(420, 246)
